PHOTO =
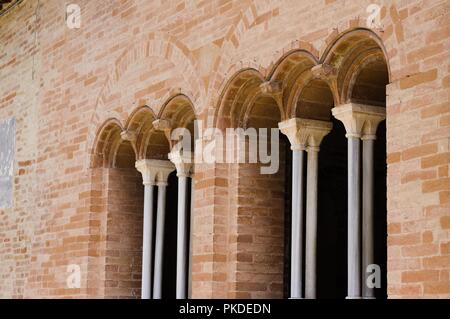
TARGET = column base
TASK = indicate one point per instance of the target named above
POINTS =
(353, 297)
(296, 298)
(368, 298)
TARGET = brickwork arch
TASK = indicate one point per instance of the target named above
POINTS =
(148, 142)
(178, 109)
(119, 188)
(233, 100)
(224, 65)
(158, 46)
(350, 52)
(347, 53)
(300, 84)
(107, 135)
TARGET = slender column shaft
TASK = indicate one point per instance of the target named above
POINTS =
(354, 228)
(311, 223)
(190, 239)
(181, 238)
(368, 213)
(159, 244)
(297, 225)
(359, 120)
(147, 243)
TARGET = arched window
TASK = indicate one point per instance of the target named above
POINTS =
(148, 202)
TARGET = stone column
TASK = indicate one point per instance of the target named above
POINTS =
(357, 119)
(191, 227)
(304, 133)
(292, 129)
(297, 223)
(316, 131)
(368, 138)
(367, 217)
(183, 164)
(163, 168)
(148, 177)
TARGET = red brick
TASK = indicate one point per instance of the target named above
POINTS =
(418, 78)
(436, 185)
(445, 248)
(63, 88)
(437, 288)
(404, 239)
(420, 250)
(425, 52)
(435, 160)
(445, 222)
(419, 151)
(444, 197)
(420, 276)
(436, 262)
(394, 157)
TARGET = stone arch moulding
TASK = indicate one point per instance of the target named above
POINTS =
(181, 116)
(224, 111)
(336, 38)
(139, 122)
(246, 21)
(158, 45)
(273, 71)
(179, 112)
(347, 52)
(103, 137)
(178, 109)
(286, 71)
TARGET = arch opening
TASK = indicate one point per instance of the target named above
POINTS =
(116, 150)
(315, 101)
(362, 76)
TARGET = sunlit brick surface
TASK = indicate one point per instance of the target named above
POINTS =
(62, 84)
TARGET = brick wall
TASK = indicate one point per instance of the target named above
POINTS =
(62, 84)
(123, 255)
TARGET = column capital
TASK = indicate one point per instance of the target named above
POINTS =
(360, 120)
(271, 87)
(130, 136)
(154, 171)
(324, 72)
(303, 133)
(165, 126)
(127, 135)
(183, 162)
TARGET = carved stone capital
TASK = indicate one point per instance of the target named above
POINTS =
(316, 131)
(165, 126)
(291, 128)
(154, 171)
(183, 162)
(360, 120)
(303, 133)
(162, 125)
(274, 89)
(271, 87)
(130, 136)
(324, 71)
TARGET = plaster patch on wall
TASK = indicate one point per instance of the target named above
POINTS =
(7, 151)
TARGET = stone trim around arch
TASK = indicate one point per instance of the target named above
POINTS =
(155, 44)
(327, 59)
